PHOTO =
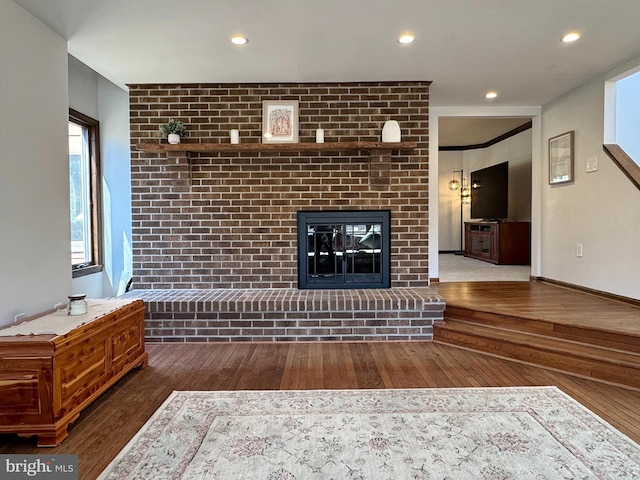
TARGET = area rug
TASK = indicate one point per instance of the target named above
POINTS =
(478, 433)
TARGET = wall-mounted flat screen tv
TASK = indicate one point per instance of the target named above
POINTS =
(490, 192)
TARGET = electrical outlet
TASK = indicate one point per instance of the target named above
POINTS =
(578, 250)
(592, 164)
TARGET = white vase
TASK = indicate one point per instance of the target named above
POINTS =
(391, 131)
(173, 138)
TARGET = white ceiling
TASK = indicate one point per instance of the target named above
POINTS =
(466, 47)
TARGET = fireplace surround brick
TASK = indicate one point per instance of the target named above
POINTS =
(228, 220)
(225, 315)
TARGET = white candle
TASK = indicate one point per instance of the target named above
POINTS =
(235, 136)
(319, 135)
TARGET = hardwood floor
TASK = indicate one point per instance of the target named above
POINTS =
(544, 325)
(108, 424)
(538, 300)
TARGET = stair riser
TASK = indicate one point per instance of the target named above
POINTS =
(577, 334)
(601, 370)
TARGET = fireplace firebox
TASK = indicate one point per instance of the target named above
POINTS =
(344, 249)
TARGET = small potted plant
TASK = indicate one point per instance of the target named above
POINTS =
(173, 131)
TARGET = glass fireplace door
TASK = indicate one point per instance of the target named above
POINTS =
(343, 249)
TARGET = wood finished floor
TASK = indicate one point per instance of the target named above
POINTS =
(108, 424)
(538, 300)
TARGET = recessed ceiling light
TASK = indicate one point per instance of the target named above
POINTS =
(491, 95)
(406, 38)
(571, 37)
(239, 40)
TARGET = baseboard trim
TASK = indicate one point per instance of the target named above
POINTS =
(591, 291)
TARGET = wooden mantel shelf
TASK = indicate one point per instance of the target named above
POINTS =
(379, 153)
(272, 147)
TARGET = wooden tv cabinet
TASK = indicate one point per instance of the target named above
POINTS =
(46, 380)
(502, 243)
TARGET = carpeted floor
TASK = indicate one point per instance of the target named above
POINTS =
(484, 433)
(458, 268)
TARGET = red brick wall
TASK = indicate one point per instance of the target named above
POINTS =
(229, 220)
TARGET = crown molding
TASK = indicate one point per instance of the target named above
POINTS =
(493, 141)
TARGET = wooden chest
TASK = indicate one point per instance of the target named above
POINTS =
(47, 379)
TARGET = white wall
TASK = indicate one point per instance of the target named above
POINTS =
(95, 96)
(600, 210)
(517, 151)
(83, 88)
(35, 258)
(115, 137)
(449, 201)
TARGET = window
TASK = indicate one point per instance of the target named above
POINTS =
(622, 98)
(628, 115)
(84, 174)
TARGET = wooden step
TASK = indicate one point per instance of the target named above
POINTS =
(612, 365)
(586, 334)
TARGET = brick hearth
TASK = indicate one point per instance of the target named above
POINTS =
(287, 314)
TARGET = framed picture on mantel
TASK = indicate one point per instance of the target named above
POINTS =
(280, 121)
(561, 158)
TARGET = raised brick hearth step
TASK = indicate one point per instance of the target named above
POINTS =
(287, 314)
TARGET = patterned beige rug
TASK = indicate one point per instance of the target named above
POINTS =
(485, 433)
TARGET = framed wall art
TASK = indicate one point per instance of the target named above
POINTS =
(280, 121)
(561, 158)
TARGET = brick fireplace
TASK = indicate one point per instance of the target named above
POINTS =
(228, 219)
(215, 234)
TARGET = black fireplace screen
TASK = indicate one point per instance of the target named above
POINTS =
(343, 249)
